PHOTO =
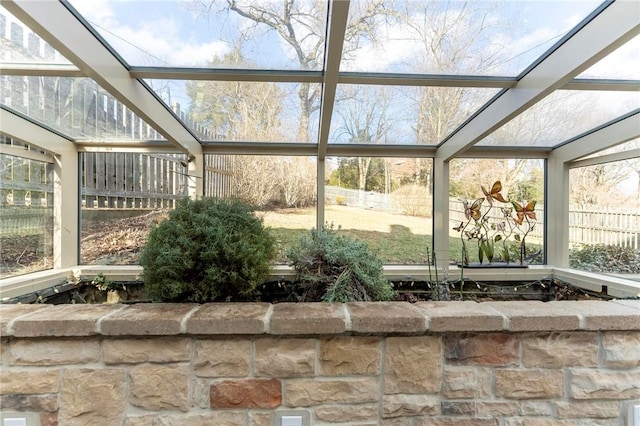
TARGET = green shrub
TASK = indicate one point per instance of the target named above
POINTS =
(335, 268)
(605, 258)
(207, 250)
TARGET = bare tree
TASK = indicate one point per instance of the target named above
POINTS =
(302, 26)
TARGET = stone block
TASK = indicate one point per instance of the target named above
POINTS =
(459, 383)
(621, 349)
(222, 358)
(350, 356)
(134, 351)
(63, 320)
(93, 397)
(9, 312)
(260, 419)
(219, 418)
(229, 318)
(400, 405)
(308, 318)
(599, 315)
(347, 413)
(597, 384)
(535, 408)
(461, 421)
(386, 317)
(34, 403)
(496, 408)
(561, 349)
(40, 381)
(458, 408)
(49, 419)
(547, 422)
(54, 351)
(159, 386)
(309, 392)
(413, 365)
(147, 319)
(529, 384)
(590, 409)
(248, 393)
(285, 357)
(536, 316)
(490, 349)
(456, 316)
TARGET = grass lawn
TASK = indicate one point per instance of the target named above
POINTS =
(397, 239)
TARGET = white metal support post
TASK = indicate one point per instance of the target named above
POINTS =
(195, 178)
(66, 201)
(557, 212)
(441, 211)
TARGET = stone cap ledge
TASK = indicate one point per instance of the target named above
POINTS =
(315, 319)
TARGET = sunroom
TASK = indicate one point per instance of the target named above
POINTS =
(395, 122)
(375, 116)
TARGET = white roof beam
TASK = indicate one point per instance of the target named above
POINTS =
(609, 135)
(609, 158)
(39, 70)
(20, 128)
(337, 25)
(52, 21)
(608, 30)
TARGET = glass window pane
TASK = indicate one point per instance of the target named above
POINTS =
(18, 44)
(622, 63)
(244, 111)
(604, 226)
(122, 195)
(455, 37)
(26, 215)
(563, 115)
(179, 33)
(623, 147)
(385, 202)
(77, 107)
(282, 189)
(522, 181)
(402, 115)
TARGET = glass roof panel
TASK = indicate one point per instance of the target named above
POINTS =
(622, 63)
(193, 33)
(402, 115)
(563, 115)
(244, 111)
(18, 44)
(76, 107)
(455, 37)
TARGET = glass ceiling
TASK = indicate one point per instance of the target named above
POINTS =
(409, 72)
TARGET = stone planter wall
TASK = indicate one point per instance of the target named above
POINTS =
(431, 363)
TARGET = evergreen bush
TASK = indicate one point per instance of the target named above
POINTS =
(208, 249)
(335, 268)
(605, 258)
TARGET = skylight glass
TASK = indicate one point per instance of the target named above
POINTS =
(394, 115)
(455, 37)
(244, 111)
(192, 33)
(622, 63)
(77, 107)
(563, 115)
(18, 44)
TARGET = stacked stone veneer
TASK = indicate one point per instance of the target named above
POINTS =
(440, 363)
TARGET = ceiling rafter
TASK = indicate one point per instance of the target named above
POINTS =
(609, 158)
(608, 135)
(605, 32)
(336, 28)
(67, 34)
(18, 127)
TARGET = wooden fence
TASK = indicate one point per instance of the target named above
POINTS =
(78, 107)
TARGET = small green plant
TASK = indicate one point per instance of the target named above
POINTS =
(103, 284)
(208, 249)
(515, 222)
(335, 268)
